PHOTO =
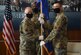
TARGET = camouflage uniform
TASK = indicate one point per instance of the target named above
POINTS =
(27, 37)
(38, 29)
(47, 28)
(58, 35)
(37, 23)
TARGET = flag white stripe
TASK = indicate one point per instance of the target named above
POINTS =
(12, 31)
(9, 28)
(8, 41)
(7, 31)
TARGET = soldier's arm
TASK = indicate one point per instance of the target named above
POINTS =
(25, 27)
(37, 25)
(20, 28)
(48, 26)
(57, 27)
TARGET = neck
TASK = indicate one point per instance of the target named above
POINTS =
(59, 13)
(27, 18)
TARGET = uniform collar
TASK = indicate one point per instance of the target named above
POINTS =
(26, 18)
(59, 15)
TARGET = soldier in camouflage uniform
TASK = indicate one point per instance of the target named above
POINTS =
(47, 26)
(58, 35)
(28, 34)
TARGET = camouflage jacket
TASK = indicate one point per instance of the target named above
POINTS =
(59, 30)
(28, 35)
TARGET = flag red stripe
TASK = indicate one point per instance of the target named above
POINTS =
(10, 46)
(8, 39)
(8, 32)
(8, 35)
(10, 22)
(8, 25)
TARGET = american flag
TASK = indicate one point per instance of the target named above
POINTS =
(8, 32)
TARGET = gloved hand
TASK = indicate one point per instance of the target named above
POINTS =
(42, 43)
(41, 37)
(41, 18)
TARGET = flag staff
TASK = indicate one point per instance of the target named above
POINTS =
(41, 27)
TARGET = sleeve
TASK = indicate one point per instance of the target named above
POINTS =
(48, 26)
(25, 28)
(56, 28)
(20, 28)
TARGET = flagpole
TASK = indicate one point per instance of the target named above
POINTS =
(41, 24)
(41, 28)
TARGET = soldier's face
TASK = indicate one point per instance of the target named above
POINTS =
(57, 7)
(28, 12)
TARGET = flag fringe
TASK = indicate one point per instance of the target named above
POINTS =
(8, 47)
(47, 50)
